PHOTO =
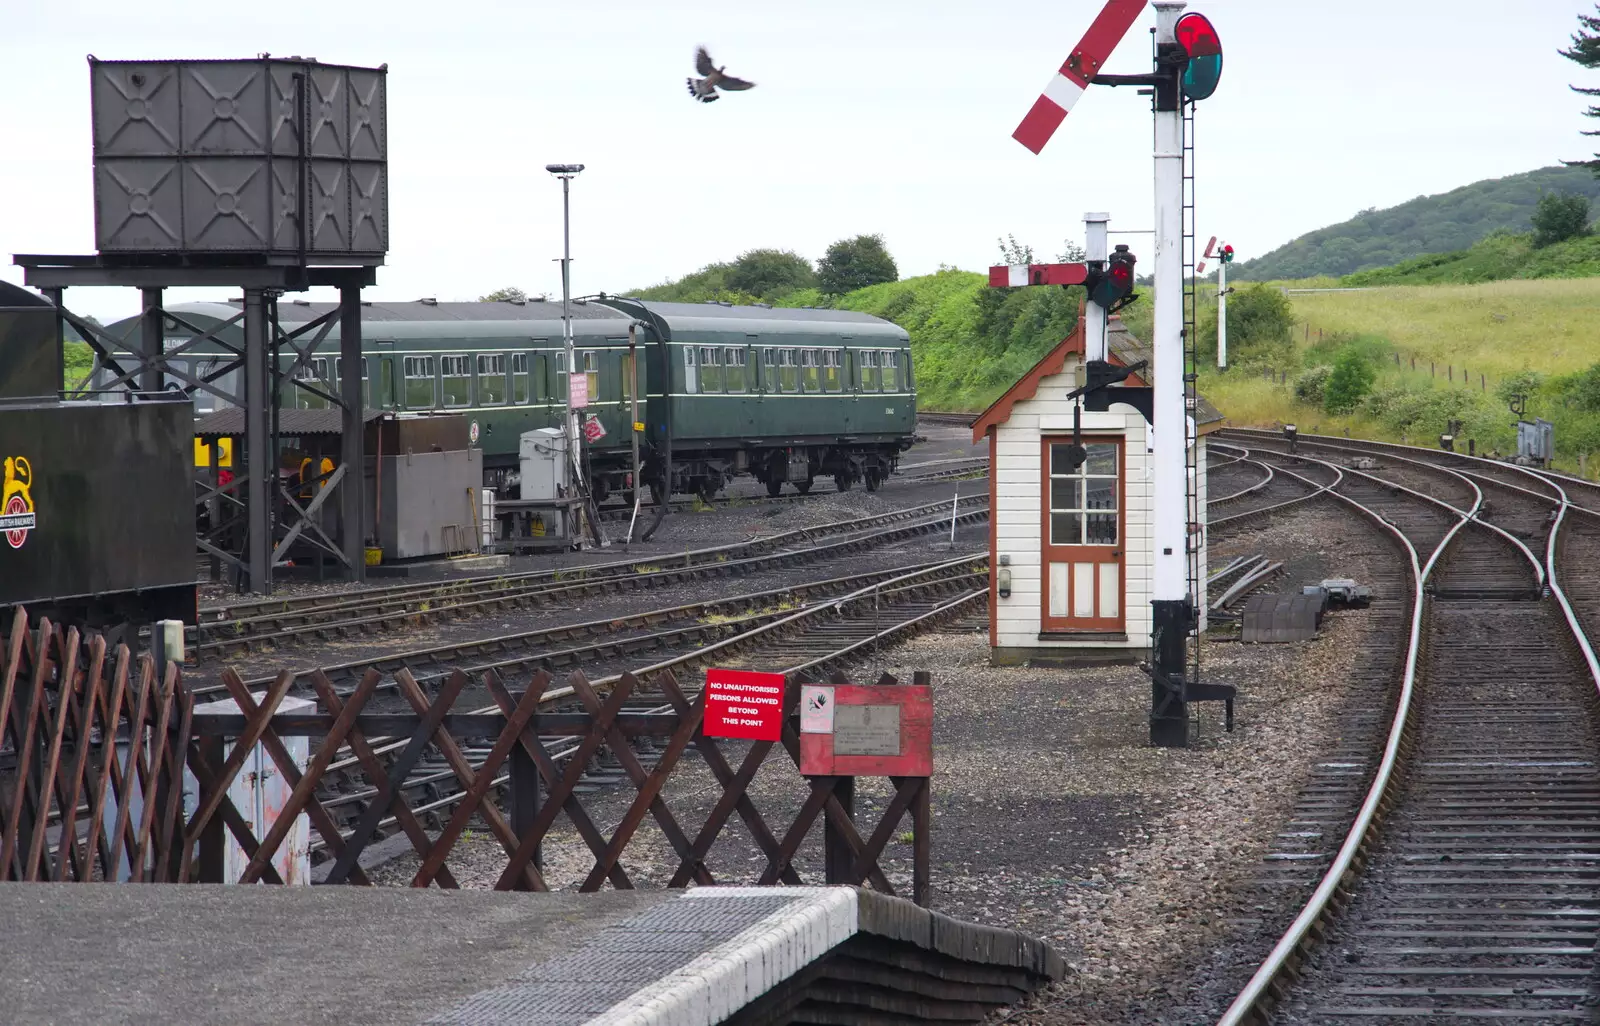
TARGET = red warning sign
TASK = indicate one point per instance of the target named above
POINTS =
(866, 731)
(744, 704)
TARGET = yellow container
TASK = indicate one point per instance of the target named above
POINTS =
(374, 556)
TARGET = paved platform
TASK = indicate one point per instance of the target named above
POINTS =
(242, 955)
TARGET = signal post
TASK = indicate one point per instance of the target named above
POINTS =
(1188, 65)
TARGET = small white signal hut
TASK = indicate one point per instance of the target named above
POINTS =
(1070, 550)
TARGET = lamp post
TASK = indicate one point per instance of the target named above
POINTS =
(567, 172)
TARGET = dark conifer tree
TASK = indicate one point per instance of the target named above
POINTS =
(1585, 51)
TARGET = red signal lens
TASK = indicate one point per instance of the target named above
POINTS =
(1197, 36)
(1121, 275)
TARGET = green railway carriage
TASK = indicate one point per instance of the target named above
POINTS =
(783, 395)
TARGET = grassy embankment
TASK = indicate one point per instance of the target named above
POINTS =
(1466, 341)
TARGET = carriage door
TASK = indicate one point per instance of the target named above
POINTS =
(1084, 534)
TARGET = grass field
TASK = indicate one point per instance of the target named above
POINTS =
(1496, 328)
(1492, 330)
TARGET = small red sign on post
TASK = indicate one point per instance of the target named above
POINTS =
(744, 704)
(850, 730)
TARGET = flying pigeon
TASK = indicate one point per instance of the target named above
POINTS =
(705, 89)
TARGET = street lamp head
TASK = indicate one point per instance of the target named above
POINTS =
(563, 169)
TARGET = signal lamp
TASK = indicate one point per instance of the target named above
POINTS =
(1112, 287)
(1201, 42)
(1227, 254)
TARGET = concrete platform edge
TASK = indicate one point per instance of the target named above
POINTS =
(725, 979)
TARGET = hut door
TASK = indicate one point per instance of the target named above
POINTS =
(1085, 527)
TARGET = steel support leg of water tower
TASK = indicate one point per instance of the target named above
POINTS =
(261, 463)
(352, 515)
(152, 332)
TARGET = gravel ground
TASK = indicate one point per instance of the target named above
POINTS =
(1051, 812)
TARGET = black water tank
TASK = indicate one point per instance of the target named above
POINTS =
(30, 353)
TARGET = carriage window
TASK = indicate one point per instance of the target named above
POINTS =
(831, 379)
(491, 379)
(891, 363)
(315, 373)
(419, 382)
(769, 369)
(788, 373)
(691, 381)
(809, 372)
(733, 361)
(1083, 499)
(558, 391)
(710, 369)
(457, 374)
(366, 384)
(867, 360)
(589, 361)
(519, 378)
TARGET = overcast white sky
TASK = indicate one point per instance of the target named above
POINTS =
(883, 116)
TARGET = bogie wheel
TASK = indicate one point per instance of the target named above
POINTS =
(774, 486)
(844, 482)
(874, 479)
(707, 491)
(803, 487)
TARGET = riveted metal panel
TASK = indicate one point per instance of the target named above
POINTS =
(265, 156)
(138, 205)
(224, 108)
(227, 205)
(135, 109)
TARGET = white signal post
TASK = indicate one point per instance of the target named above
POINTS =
(1172, 431)
(1171, 583)
(1222, 315)
(1096, 248)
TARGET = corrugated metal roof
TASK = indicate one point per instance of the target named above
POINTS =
(533, 310)
(727, 317)
(230, 421)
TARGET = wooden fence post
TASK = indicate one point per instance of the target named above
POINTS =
(525, 798)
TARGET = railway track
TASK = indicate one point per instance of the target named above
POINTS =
(245, 627)
(914, 473)
(1467, 885)
(804, 644)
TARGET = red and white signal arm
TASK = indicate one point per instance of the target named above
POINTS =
(1079, 69)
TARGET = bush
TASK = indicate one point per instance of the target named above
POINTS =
(856, 263)
(1260, 322)
(1349, 382)
(1558, 217)
(1311, 386)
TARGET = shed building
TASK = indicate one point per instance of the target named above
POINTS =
(1075, 545)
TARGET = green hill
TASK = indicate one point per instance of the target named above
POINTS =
(1445, 223)
(1500, 256)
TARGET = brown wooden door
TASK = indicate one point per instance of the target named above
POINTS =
(1084, 528)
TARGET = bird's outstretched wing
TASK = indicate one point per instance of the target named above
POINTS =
(729, 82)
(702, 62)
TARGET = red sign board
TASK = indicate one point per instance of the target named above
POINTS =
(744, 704)
(866, 731)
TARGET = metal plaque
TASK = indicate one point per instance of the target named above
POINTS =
(866, 730)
